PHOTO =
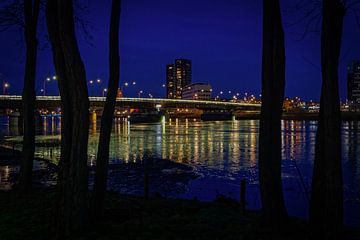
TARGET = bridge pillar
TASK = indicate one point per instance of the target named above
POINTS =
(39, 121)
(15, 121)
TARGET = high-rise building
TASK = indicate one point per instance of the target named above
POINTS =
(170, 81)
(354, 82)
(178, 76)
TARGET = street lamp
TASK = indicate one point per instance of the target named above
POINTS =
(46, 80)
(127, 84)
(139, 93)
(5, 87)
(91, 84)
(104, 91)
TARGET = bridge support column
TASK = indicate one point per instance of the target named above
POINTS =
(15, 122)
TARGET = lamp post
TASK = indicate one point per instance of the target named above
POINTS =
(91, 85)
(104, 91)
(5, 87)
(139, 93)
(126, 84)
(46, 80)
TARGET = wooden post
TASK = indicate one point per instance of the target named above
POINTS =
(243, 195)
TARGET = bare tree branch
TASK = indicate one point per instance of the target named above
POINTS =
(11, 15)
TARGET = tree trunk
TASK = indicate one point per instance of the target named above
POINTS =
(102, 160)
(72, 212)
(273, 85)
(326, 206)
(31, 15)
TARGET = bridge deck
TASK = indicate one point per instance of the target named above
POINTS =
(14, 101)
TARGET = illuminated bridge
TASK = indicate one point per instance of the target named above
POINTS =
(53, 102)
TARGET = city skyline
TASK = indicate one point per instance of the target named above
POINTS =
(223, 40)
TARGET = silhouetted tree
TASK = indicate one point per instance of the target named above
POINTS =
(273, 85)
(72, 211)
(326, 206)
(102, 160)
(25, 14)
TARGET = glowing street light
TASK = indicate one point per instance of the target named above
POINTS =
(5, 87)
(48, 79)
(139, 93)
(92, 83)
(104, 91)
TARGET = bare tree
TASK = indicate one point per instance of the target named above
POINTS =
(102, 160)
(273, 86)
(25, 14)
(326, 206)
(72, 211)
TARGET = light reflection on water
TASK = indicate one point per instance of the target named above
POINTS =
(222, 152)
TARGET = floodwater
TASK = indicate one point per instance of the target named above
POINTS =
(221, 153)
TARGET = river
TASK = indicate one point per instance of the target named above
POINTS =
(222, 153)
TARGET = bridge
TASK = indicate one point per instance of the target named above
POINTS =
(53, 102)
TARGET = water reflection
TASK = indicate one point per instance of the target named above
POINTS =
(222, 152)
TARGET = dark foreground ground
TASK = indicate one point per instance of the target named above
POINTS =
(128, 217)
(31, 216)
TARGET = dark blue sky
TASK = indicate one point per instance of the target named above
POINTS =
(223, 38)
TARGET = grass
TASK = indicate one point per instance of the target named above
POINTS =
(129, 217)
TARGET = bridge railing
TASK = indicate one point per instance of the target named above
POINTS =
(138, 100)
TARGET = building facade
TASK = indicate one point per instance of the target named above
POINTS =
(170, 81)
(354, 82)
(197, 91)
(178, 76)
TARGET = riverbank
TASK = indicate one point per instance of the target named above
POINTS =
(128, 217)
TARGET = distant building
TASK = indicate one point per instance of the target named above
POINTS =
(197, 91)
(170, 81)
(178, 75)
(354, 82)
(119, 93)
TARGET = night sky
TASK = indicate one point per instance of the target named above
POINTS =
(223, 38)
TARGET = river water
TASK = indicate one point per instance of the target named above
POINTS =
(221, 153)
